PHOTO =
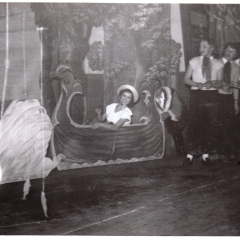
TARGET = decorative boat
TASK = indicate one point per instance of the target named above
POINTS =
(78, 145)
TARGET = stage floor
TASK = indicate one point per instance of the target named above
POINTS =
(152, 198)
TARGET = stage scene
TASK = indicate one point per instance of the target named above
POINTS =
(119, 119)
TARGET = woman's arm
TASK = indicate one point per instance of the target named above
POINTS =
(103, 117)
(110, 126)
(100, 117)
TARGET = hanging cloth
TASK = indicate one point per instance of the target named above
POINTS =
(206, 68)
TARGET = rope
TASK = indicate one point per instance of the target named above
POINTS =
(43, 197)
(112, 147)
(24, 59)
(41, 66)
(6, 61)
(27, 183)
(41, 98)
(101, 101)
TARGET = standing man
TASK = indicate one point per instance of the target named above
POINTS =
(174, 113)
(228, 103)
(204, 75)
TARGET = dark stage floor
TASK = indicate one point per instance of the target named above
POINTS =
(157, 197)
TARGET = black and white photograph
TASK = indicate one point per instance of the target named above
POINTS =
(119, 119)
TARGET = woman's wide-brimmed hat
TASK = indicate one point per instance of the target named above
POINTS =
(132, 89)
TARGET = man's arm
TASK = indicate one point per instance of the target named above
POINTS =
(236, 91)
(188, 81)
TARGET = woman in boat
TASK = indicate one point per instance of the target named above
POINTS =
(118, 114)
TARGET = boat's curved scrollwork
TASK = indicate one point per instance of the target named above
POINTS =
(79, 145)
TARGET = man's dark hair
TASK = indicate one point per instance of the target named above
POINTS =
(234, 46)
(210, 42)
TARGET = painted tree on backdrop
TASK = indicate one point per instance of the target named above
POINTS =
(69, 27)
(224, 23)
(149, 27)
(65, 40)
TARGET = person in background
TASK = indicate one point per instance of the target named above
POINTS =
(237, 118)
(204, 76)
(117, 114)
(237, 61)
(228, 103)
(174, 113)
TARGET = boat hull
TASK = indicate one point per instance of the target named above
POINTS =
(91, 145)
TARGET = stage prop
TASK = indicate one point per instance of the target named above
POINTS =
(77, 145)
(25, 132)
